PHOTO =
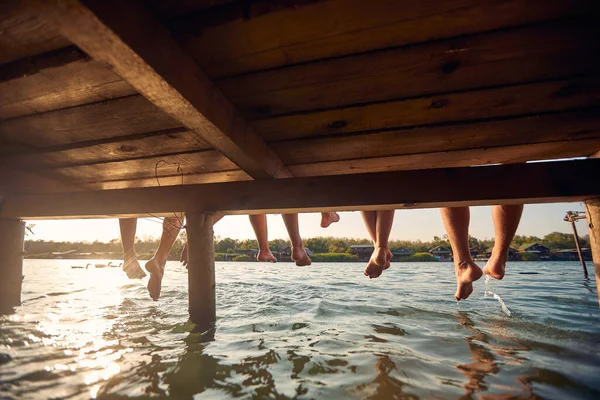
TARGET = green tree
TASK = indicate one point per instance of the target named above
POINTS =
(317, 245)
(223, 245)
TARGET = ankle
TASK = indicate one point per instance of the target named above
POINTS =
(463, 263)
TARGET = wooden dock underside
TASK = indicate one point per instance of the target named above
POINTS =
(103, 95)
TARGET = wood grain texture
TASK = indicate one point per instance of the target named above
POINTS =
(23, 34)
(228, 46)
(159, 143)
(502, 184)
(512, 56)
(457, 158)
(121, 117)
(430, 139)
(481, 104)
(14, 180)
(129, 39)
(61, 79)
(171, 180)
(190, 163)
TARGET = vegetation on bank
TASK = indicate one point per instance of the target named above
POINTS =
(323, 248)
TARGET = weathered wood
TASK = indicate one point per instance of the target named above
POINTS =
(172, 180)
(532, 98)
(501, 184)
(122, 117)
(457, 158)
(13, 180)
(592, 208)
(12, 236)
(243, 41)
(511, 56)
(149, 144)
(201, 270)
(65, 78)
(430, 139)
(23, 34)
(129, 39)
(189, 163)
(179, 7)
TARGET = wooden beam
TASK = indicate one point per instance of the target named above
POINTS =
(504, 57)
(127, 37)
(12, 236)
(13, 180)
(503, 184)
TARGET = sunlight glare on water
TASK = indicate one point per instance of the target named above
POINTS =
(287, 332)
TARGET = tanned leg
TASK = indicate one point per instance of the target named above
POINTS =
(456, 220)
(259, 224)
(381, 257)
(370, 218)
(156, 265)
(328, 218)
(131, 266)
(298, 253)
(506, 221)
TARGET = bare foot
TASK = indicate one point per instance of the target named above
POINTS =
(495, 266)
(466, 273)
(184, 256)
(388, 258)
(378, 262)
(266, 256)
(157, 271)
(328, 218)
(300, 257)
(132, 268)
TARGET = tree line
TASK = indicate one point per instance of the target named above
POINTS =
(554, 241)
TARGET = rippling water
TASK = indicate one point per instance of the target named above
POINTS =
(320, 332)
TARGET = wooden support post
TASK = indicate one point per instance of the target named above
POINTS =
(12, 235)
(201, 270)
(593, 218)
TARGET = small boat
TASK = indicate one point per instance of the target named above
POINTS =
(100, 265)
(115, 265)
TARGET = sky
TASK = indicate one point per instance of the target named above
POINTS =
(424, 224)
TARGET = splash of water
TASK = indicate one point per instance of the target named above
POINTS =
(488, 293)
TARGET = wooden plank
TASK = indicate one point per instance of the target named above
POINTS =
(64, 78)
(14, 180)
(179, 7)
(172, 180)
(159, 143)
(129, 39)
(246, 42)
(512, 56)
(458, 158)
(122, 117)
(480, 104)
(189, 163)
(23, 34)
(502, 184)
(430, 139)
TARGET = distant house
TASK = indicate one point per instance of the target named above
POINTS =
(399, 252)
(536, 248)
(441, 253)
(572, 255)
(362, 251)
(513, 254)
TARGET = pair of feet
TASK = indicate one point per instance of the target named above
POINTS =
(468, 272)
(156, 269)
(379, 261)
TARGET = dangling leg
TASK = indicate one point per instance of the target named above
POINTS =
(259, 224)
(328, 218)
(156, 265)
(131, 266)
(506, 221)
(298, 253)
(381, 257)
(456, 220)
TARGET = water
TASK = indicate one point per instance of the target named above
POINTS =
(320, 332)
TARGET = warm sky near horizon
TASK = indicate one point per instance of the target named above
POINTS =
(423, 224)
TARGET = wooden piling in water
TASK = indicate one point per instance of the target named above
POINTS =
(593, 218)
(12, 236)
(201, 270)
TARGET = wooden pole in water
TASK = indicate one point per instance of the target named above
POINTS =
(572, 218)
(201, 270)
(593, 218)
(12, 236)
